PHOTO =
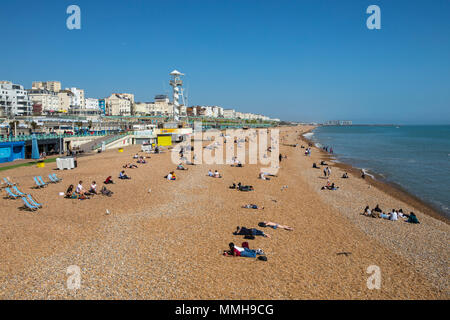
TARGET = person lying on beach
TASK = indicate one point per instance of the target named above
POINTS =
(93, 188)
(122, 175)
(345, 175)
(262, 176)
(109, 180)
(252, 206)
(322, 163)
(141, 160)
(181, 167)
(130, 166)
(330, 187)
(243, 251)
(274, 225)
(104, 191)
(244, 188)
(243, 231)
(315, 166)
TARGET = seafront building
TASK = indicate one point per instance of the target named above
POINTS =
(14, 100)
(118, 104)
(54, 86)
(44, 100)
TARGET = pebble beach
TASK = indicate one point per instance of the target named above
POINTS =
(164, 239)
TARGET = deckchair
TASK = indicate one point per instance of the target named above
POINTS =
(38, 184)
(33, 202)
(8, 182)
(56, 178)
(41, 181)
(52, 179)
(17, 191)
(11, 194)
(28, 205)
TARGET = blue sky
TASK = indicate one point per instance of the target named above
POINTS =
(296, 60)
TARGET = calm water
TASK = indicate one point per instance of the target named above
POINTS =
(415, 157)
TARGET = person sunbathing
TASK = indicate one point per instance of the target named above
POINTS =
(252, 206)
(109, 180)
(130, 166)
(122, 175)
(345, 176)
(217, 174)
(274, 225)
(262, 176)
(136, 156)
(104, 191)
(181, 167)
(243, 231)
(315, 166)
(330, 187)
(244, 188)
(210, 173)
(243, 251)
(323, 163)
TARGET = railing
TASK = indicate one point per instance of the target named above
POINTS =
(112, 139)
(49, 136)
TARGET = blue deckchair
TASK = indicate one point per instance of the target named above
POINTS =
(52, 179)
(11, 194)
(56, 178)
(28, 205)
(41, 181)
(33, 202)
(38, 184)
(17, 191)
(7, 182)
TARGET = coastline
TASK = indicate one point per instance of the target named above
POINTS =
(388, 187)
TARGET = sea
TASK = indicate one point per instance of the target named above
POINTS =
(415, 157)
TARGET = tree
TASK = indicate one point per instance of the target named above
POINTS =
(34, 125)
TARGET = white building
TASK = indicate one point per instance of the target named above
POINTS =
(14, 100)
(118, 105)
(78, 100)
(229, 113)
(48, 100)
(91, 103)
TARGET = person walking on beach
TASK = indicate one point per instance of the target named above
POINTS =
(329, 171)
(325, 171)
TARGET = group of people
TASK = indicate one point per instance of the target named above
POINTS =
(393, 215)
(241, 187)
(81, 193)
(214, 174)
